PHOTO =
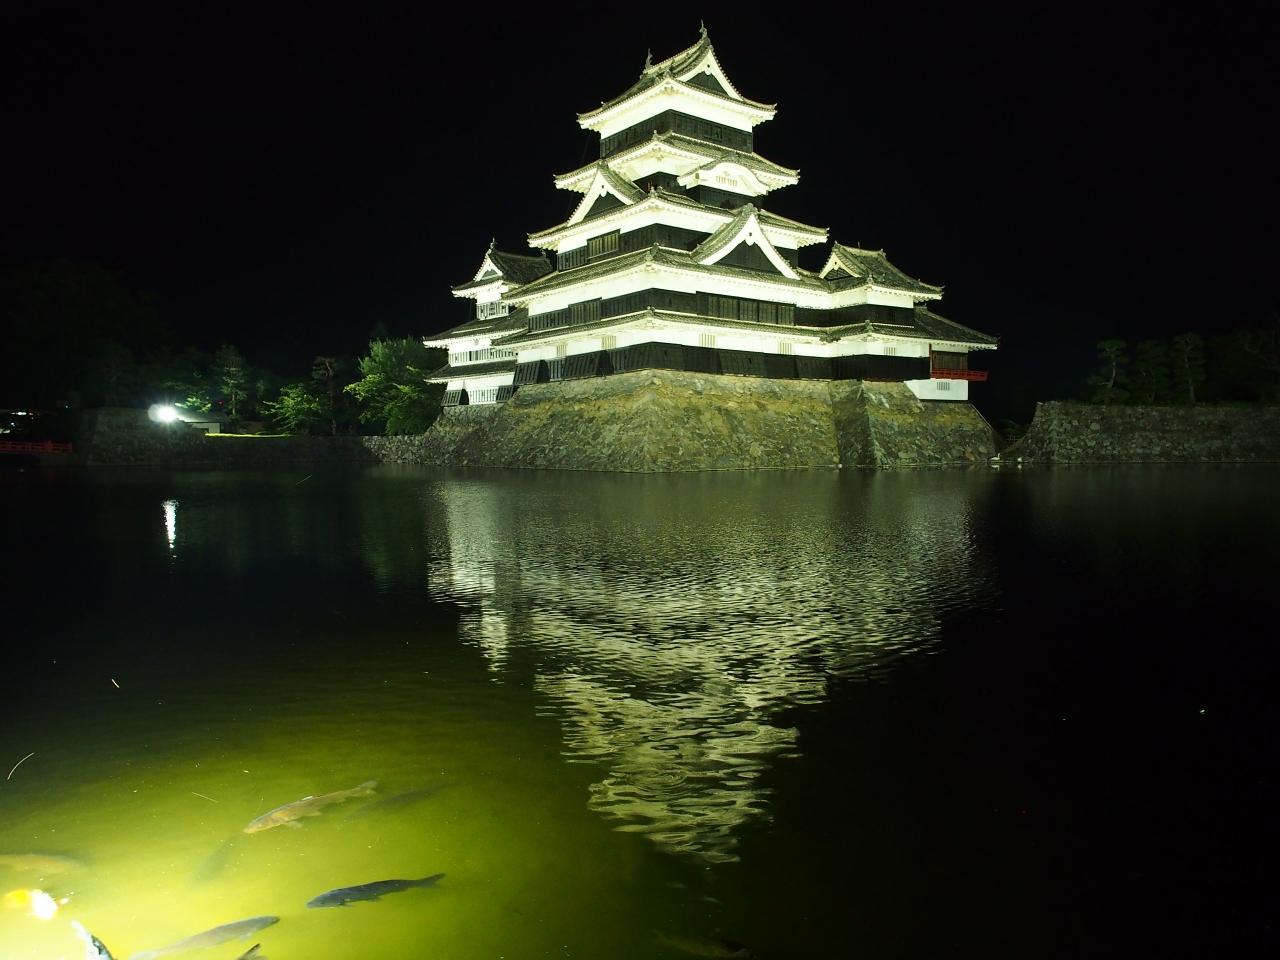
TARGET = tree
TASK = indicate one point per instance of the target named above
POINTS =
(326, 372)
(231, 374)
(1150, 381)
(1188, 363)
(392, 389)
(1264, 345)
(1109, 382)
(298, 409)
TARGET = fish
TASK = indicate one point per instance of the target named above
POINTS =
(211, 938)
(252, 953)
(703, 947)
(38, 863)
(369, 891)
(289, 813)
(394, 802)
(94, 949)
(213, 864)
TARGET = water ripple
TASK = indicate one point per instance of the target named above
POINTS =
(669, 621)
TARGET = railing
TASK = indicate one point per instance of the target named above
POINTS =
(943, 374)
(42, 446)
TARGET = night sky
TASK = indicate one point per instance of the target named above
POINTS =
(285, 181)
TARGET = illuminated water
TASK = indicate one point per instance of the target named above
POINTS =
(818, 714)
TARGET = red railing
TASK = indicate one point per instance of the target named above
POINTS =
(42, 446)
(940, 374)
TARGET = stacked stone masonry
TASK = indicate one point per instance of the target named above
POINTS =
(1081, 433)
(643, 422)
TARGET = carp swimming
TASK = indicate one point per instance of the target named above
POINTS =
(211, 938)
(93, 947)
(38, 863)
(290, 813)
(369, 891)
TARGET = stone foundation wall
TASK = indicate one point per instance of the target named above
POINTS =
(659, 421)
(1083, 433)
(439, 445)
(652, 421)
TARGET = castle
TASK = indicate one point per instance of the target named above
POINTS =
(671, 261)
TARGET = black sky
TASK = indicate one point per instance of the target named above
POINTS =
(286, 179)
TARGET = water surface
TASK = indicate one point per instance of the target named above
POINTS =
(878, 714)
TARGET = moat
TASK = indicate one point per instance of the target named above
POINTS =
(778, 715)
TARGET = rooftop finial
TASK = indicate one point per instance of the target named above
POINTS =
(702, 29)
(648, 58)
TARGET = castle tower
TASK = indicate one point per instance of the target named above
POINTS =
(672, 260)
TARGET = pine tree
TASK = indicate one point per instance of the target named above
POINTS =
(1109, 382)
(1151, 380)
(231, 373)
(1188, 362)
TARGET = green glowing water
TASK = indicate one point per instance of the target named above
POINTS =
(625, 717)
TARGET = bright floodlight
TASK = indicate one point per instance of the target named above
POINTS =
(163, 413)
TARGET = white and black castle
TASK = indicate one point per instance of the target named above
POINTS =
(671, 261)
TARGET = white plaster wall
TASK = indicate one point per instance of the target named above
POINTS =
(939, 389)
(644, 276)
(471, 384)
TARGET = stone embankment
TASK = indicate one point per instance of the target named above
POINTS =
(1084, 433)
(641, 422)
(668, 421)
(116, 436)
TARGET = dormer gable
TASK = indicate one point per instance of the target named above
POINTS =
(725, 174)
(742, 230)
(607, 190)
(854, 266)
(500, 272)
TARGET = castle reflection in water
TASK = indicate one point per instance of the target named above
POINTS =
(670, 621)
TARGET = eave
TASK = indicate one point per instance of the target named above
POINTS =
(747, 112)
(451, 372)
(707, 217)
(660, 259)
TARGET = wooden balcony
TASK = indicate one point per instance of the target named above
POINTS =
(942, 373)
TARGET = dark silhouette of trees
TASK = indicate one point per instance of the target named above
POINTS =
(1108, 384)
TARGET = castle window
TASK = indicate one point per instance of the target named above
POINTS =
(608, 342)
(588, 311)
(706, 339)
(494, 308)
(603, 246)
(944, 386)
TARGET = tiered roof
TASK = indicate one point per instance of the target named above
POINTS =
(804, 233)
(855, 267)
(694, 150)
(694, 80)
(675, 74)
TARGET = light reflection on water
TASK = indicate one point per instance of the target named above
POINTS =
(657, 635)
(671, 628)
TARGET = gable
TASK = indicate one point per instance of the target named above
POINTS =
(743, 231)
(708, 81)
(605, 184)
(750, 257)
(602, 204)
